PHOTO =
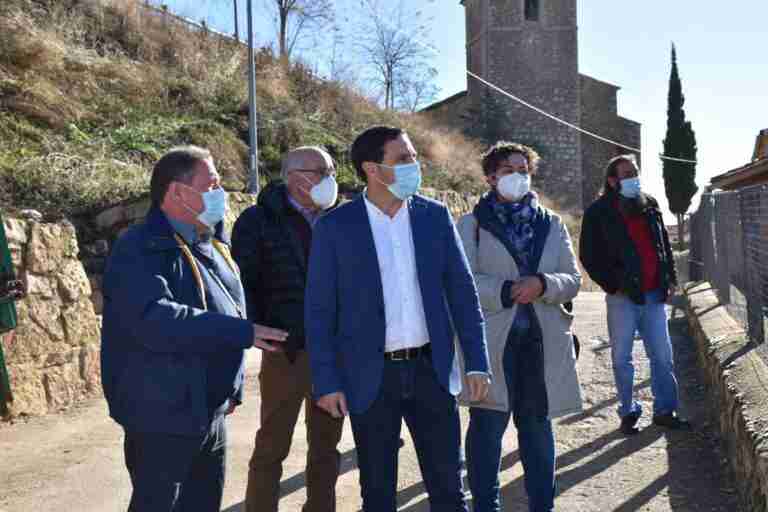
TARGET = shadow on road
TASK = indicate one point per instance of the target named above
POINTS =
(605, 403)
(695, 478)
(299, 480)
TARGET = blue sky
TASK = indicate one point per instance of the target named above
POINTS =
(721, 55)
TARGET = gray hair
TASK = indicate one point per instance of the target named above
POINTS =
(177, 164)
(294, 159)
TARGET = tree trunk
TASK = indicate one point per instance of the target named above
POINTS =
(284, 36)
(681, 232)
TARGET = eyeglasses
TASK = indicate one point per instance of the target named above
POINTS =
(321, 173)
(510, 170)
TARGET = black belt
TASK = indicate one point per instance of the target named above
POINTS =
(406, 354)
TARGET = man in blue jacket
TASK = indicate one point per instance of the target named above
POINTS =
(388, 284)
(173, 338)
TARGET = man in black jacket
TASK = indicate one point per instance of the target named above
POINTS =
(271, 243)
(625, 249)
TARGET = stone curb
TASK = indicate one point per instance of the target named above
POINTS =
(737, 385)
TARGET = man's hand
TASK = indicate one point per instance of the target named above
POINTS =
(526, 290)
(264, 336)
(478, 386)
(334, 404)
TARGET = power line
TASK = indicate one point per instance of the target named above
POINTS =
(566, 123)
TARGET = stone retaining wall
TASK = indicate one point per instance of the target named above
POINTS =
(53, 355)
(737, 382)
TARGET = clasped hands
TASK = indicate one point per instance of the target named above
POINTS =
(526, 290)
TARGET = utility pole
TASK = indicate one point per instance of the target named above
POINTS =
(237, 26)
(253, 156)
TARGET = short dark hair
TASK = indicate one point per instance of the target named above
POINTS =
(369, 146)
(503, 150)
(178, 164)
(611, 170)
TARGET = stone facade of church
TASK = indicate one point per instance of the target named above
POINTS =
(530, 49)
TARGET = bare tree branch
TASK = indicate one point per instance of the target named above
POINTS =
(394, 44)
(294, 19)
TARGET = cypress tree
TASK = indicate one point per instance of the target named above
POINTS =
(680, 142)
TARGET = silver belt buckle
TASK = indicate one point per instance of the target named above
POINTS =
(397, 357)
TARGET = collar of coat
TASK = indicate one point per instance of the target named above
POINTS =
(161, 232)
(489, 221)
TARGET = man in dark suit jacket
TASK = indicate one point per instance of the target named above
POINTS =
(388, 286)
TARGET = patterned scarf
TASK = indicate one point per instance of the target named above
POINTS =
(517, 219)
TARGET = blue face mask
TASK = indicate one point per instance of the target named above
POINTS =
(407, 180)
(214, 207)
(630, 188)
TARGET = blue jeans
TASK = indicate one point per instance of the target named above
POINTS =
(650, 320)
(524, 374)
(173, 473)
(410, 391)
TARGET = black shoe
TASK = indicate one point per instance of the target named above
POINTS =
(628, 423)
(671, 421)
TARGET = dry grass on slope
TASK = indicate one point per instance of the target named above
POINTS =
(92, 91)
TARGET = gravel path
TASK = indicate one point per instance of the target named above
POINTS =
(73, 460)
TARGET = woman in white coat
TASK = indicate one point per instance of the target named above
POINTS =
(525, 268)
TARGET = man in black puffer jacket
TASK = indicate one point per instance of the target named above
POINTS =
(271, 243)
(625, 249)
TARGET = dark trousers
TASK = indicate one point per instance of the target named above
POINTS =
(410, 391)
(284, 387)
(524, 374)
(176, 473)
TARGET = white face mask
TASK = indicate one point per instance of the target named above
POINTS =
(514, 186)
(325, 193)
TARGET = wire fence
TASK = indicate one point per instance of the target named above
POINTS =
(729, 248)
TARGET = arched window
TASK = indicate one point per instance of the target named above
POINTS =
(532, 10)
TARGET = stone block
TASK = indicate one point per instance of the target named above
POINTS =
(108, 219)
(63, 385)
(28, 391)
(97, 299)
(73, 282)
(46, 313)
(29, 342)
(49, 246)
(43, 286)
(90, 368)
(81, 323)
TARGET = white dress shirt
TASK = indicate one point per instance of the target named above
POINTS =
(403, 306)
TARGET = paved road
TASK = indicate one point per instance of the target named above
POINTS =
(73, 461)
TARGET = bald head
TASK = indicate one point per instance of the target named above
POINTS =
(303, 168)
